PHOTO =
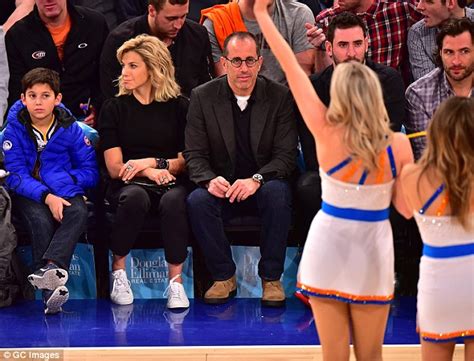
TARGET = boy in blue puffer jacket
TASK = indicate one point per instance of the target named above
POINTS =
(51, 164)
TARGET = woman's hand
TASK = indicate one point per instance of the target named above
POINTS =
(134, 166)
(262, 5)
(159, 176)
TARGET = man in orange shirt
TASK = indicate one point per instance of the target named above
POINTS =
(64, 38)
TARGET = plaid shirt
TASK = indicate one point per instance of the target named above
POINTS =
(387, 23)
(422, 99)
(422, 47)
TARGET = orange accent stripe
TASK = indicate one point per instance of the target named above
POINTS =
(381, 172)
(442, 206)
(351, 171)
(344, 295)
(447, 336)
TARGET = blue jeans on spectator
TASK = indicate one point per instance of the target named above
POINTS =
(208, 214)
(50, 239)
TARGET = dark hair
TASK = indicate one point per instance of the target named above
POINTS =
(40, 76)
(344, 20)
(159, 4)
(241, 35)
(452, 27)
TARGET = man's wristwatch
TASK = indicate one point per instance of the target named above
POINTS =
(258, 178)
(162, 163)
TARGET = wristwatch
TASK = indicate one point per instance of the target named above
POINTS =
(258, 178)
(162, 163)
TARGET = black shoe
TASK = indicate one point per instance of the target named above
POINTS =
(49, 277)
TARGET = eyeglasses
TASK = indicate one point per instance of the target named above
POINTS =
(237, 62)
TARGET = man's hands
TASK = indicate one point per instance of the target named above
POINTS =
(239, 191)
(315, 35)
(56, 205)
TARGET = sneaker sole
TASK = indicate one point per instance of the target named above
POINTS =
(57, 299)
(266, 303)
(170, 307)
(218, 301)
(50, 280)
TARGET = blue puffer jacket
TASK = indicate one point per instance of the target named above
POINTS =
(67, 165)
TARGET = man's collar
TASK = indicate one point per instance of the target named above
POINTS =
(230, 93)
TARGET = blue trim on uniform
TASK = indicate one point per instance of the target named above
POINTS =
(356, 214)
(363, 177)
(339, 166)
(432, 199)
(448, 251)
(393, 166)
(343, 299)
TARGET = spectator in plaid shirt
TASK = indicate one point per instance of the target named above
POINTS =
(387, 22)
(422, 36)
(455, 76)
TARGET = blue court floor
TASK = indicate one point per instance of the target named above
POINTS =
(241, 322)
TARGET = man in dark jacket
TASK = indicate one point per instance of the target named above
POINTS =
(187, 42)
(240, 148)
(64, 38)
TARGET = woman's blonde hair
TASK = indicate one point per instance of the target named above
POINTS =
(357, 104)
(450, 153)
(157, 59)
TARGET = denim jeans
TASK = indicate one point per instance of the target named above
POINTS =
(50, 239)
(272, 202)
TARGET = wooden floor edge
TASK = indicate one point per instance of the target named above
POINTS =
(220, 353)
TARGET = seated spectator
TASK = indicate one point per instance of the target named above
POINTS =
(422, 36)
(290, 17)
(454, 76)
(142, 135)
(387, 23)
(241, 151)
(51, 164)
(67, 39)
(346, 41)
(187, 42)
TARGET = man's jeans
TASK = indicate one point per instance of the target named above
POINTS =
(50, 239)
(272, 202)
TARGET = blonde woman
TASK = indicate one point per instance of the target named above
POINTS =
(440, 190)
(347, 265)
(142, 135)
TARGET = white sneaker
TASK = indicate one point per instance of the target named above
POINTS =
(176, 295)
(121, 292)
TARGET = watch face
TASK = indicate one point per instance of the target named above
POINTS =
(162, 163)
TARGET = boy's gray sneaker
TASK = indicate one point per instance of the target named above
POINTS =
(53, 300)
(48, 277)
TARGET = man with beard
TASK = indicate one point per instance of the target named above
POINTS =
(387, 24)
(422, 36)
(346, 41)
(453, 77)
